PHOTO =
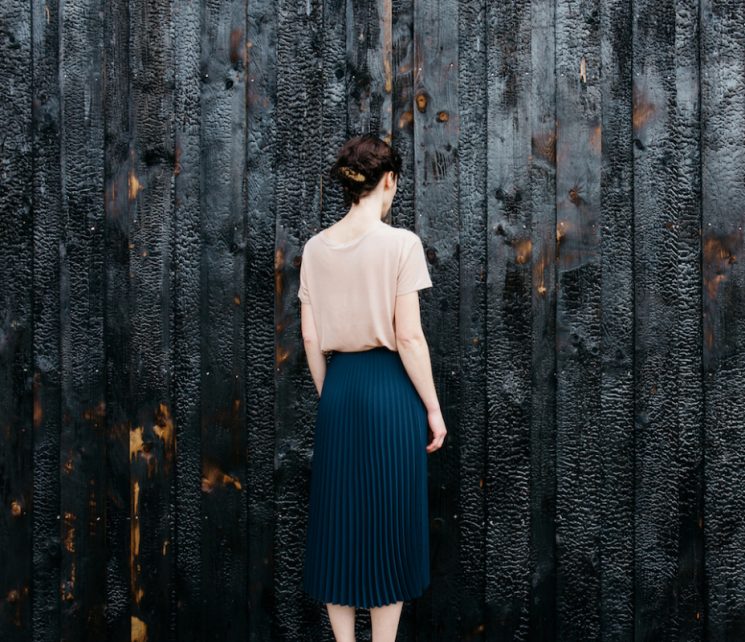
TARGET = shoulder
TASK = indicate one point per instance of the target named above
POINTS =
(310, 244)
(404, 236)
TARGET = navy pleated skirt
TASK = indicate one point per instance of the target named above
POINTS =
(367, 541)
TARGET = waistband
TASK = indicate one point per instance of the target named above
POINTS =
(371, 351)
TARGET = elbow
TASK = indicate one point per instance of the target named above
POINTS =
(310, 342)
(410, 340)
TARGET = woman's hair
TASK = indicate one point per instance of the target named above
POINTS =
(360, 165)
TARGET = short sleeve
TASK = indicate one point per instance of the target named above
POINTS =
(413, 273)
(303, 293)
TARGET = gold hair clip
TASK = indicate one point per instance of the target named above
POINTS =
(350, 173)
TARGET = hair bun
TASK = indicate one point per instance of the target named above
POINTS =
(351, 174)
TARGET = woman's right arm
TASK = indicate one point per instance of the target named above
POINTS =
(414, 352)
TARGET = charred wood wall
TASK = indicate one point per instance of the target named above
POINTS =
(576, 172)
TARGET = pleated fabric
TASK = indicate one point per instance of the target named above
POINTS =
(367, 542)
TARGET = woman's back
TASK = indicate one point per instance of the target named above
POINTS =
(352, 287)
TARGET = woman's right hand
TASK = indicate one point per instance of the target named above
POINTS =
(437, 430)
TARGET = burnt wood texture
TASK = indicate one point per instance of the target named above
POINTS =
(576, 171)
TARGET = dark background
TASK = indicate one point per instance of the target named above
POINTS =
(575, 170)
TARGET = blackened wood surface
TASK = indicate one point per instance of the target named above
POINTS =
(152, 442)
(46, 226)
(83, 340)
(575, 171)
(222, 199)
(436, 188)
(258, 312)
(617, 335)
(17, 307)
(508, 319)
(668, 534)
(722, 203)
(186, 357)
(471, 419)
(540, 121)
(119, 186)
(579, 317)
(298, 165)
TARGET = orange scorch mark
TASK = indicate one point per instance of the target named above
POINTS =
(539, 271)
(387, 44)
(279, 262)
(138, 630)
(135, 187)
(719, 255)
(281, 356)
(177, 163)
(421, 102)
(523, 249)
(562, 227)
(110, 197)
(642, 109)
(165, 431)
(212, 476)
(388, 85)
(38, 413)
(139, 449)
(68, 466)
(68, 537)
(544, 146)
(134, 543)
(68, 583)
(236, 48)
(596, 139)
(66, 593)
(96, 414)
(406, 118)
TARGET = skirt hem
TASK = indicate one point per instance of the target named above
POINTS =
(405, 598)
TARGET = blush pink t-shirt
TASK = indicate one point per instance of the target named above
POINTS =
(352, 287)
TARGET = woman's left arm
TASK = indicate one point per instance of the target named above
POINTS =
(316, 358)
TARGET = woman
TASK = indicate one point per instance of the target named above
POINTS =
(368, 539)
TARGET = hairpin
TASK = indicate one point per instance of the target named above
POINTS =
(350, 173)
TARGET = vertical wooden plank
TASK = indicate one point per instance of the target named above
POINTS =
(186, 259)
(472, 423)
(16, 325)
(119, 195)
(616, 599)
(723, 194)
(370, 79)
(298, 166)
(578, 319)
(402, 109)
(152, 430)
(47, 203)
(542, 177)
(223, 413)
(667, 317)
(261, 91)
(338, 78)
(509, 326)
(82, 438)
(436, 189)
(688, 336)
